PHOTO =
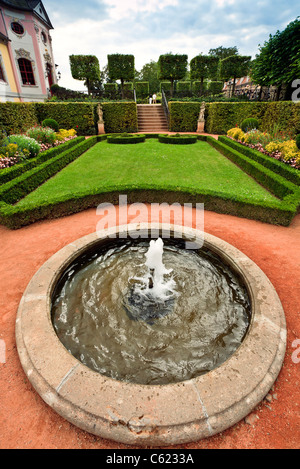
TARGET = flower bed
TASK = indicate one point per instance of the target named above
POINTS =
(19, 148)
(279, 145)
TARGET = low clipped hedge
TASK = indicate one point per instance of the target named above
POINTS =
(178, 139)
(277, 166)
(126, 139)
(15, 190)
(7, 174)
(286, 191)
(280, 211)
(120, 117)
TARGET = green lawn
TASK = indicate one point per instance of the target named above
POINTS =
(196, 166)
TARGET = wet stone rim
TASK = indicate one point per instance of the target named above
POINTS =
(142, 414)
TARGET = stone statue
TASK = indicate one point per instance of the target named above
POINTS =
(201, 119)
(101, 129)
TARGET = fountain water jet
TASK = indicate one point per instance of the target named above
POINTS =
(151, 296)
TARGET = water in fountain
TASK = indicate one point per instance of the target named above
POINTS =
(193, 318)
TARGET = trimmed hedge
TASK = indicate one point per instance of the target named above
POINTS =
(183, 116)
(285, 170)
(276, 184)
(15, 190)
(279, 212)
(120, 117)
(178, 140)
(220, 117)
(126, 139)
(17, 117)
(79, 116)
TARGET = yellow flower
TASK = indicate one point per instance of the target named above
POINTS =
(236, 133)
(290, 150)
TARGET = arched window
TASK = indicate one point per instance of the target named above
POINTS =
(1, 73)
(26, 72)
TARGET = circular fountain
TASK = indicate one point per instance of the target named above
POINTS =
(146, 342)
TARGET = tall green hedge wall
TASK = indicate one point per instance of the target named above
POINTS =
(83, 117)
(120, 117)
(79, 116)
(220, 117)
(17, 117)
(183, 116)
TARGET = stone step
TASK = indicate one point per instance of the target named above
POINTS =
(151, 118)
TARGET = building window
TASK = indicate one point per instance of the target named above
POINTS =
(17, 28)
(26, 72)
(44, 37)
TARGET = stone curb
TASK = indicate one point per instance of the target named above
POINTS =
(151, 415)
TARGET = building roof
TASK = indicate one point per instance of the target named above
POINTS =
(35, 6)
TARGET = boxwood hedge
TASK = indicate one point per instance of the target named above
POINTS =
(178, 139)
(280, 211)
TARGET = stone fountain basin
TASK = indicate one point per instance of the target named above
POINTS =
(151, 415)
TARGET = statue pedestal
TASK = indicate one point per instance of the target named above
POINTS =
(200, 128)
(101, 129)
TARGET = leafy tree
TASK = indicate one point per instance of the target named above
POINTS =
(121, 67)
(234, 66)
(149, 73)
(223, 52)
(204, 66)
(172, 67)
(278, 62)
(85, 67)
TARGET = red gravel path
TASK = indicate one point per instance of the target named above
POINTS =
(27, 422)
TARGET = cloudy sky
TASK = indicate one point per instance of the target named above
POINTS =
(148, 28)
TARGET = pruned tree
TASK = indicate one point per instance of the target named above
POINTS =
(204, 67)
(121, 67)
(234, 66)
(85, 68)
(172, 67)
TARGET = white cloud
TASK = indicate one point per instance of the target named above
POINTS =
(119, 9)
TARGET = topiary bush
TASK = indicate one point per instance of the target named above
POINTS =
(178, 139)
(51, 123)
(298, 141)
(249, 124)
(126, 138)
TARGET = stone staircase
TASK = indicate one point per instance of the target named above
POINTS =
(151, 118)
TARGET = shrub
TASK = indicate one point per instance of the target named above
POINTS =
(44, 135)
(51, 123)
(25, 144)
(298, 141)
(249, 124)
(63, 134)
